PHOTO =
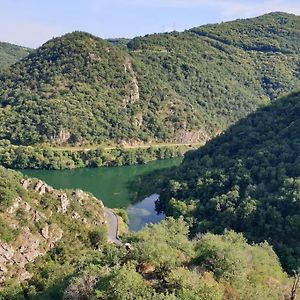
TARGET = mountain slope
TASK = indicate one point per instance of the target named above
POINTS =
(182, 87)
(248, 179)
(40, 223)
(52, 247)
(10, 54)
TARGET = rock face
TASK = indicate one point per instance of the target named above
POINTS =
(132, 87)
(40, 186)
(62, 137)
(38, 226)
(194, 136)
(64, 203)
(26, 249)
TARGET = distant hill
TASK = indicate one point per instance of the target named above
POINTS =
(119, 41)
(10, 54)
(171, 87)
(247, 179)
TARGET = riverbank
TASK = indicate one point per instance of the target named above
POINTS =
(114, 186)
(46, 157)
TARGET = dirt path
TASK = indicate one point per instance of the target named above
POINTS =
(69, 148)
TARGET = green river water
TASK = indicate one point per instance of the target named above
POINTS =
(111, 185)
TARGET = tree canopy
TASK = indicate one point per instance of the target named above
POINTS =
(247, 179)
(181, 87)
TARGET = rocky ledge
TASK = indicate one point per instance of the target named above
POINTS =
(33, 225)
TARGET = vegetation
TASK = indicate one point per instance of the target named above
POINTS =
(247, 179)
(10, 54)
(43, 157)
(178, 87)
(61, 253)
(162, 263)
(40, 239)
(228, 201)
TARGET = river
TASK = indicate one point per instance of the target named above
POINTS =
(111, 185)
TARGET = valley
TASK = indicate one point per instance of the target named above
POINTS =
(112, 186)
(158, 167)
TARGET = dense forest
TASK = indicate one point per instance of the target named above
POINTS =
(247, 180)
(232, 207)
(45, 157)
(53, 246)
(10, 54)
(182, 87)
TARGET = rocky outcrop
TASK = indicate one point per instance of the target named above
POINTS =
(62, 137)
(82, 197)
(138, 120)
(64, 203)
(193, 136)
(25, 249)
(52, 234)
(40, 186)
(133, 87)
(16, 204)
(131, 143)
(36, 224)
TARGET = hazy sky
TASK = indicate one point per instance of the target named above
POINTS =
(33, 22)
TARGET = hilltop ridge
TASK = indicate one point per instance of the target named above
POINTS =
(10, 54)
(172, 87)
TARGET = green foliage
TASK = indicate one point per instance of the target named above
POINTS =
(9, 187)
(98, 237)
(164, 246)
(123, 283)
(163, 264)
(22, 157)
(248, 271)
(79, 89)
(188, 285)
(247, 180)
(10, 54)
(62, 240)
(7, 233)
(266, 33)
(246, 267)
(123, 214)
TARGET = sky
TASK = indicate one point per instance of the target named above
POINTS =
(32, 22)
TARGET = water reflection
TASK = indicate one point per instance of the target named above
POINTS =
(143, 213)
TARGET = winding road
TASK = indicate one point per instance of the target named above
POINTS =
(157, 145)
(112, 226)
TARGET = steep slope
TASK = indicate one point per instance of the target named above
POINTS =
(37, 221)
(77, 81)
(10, 54)
(182, 87)
(160, 263)
(53, 246)
(247, 179)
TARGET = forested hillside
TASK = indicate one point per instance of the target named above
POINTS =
(183, 87)
(247, 179)
(53, 246)
(10, 54)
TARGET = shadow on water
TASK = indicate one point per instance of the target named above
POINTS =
(118, 187)
(149, 183)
